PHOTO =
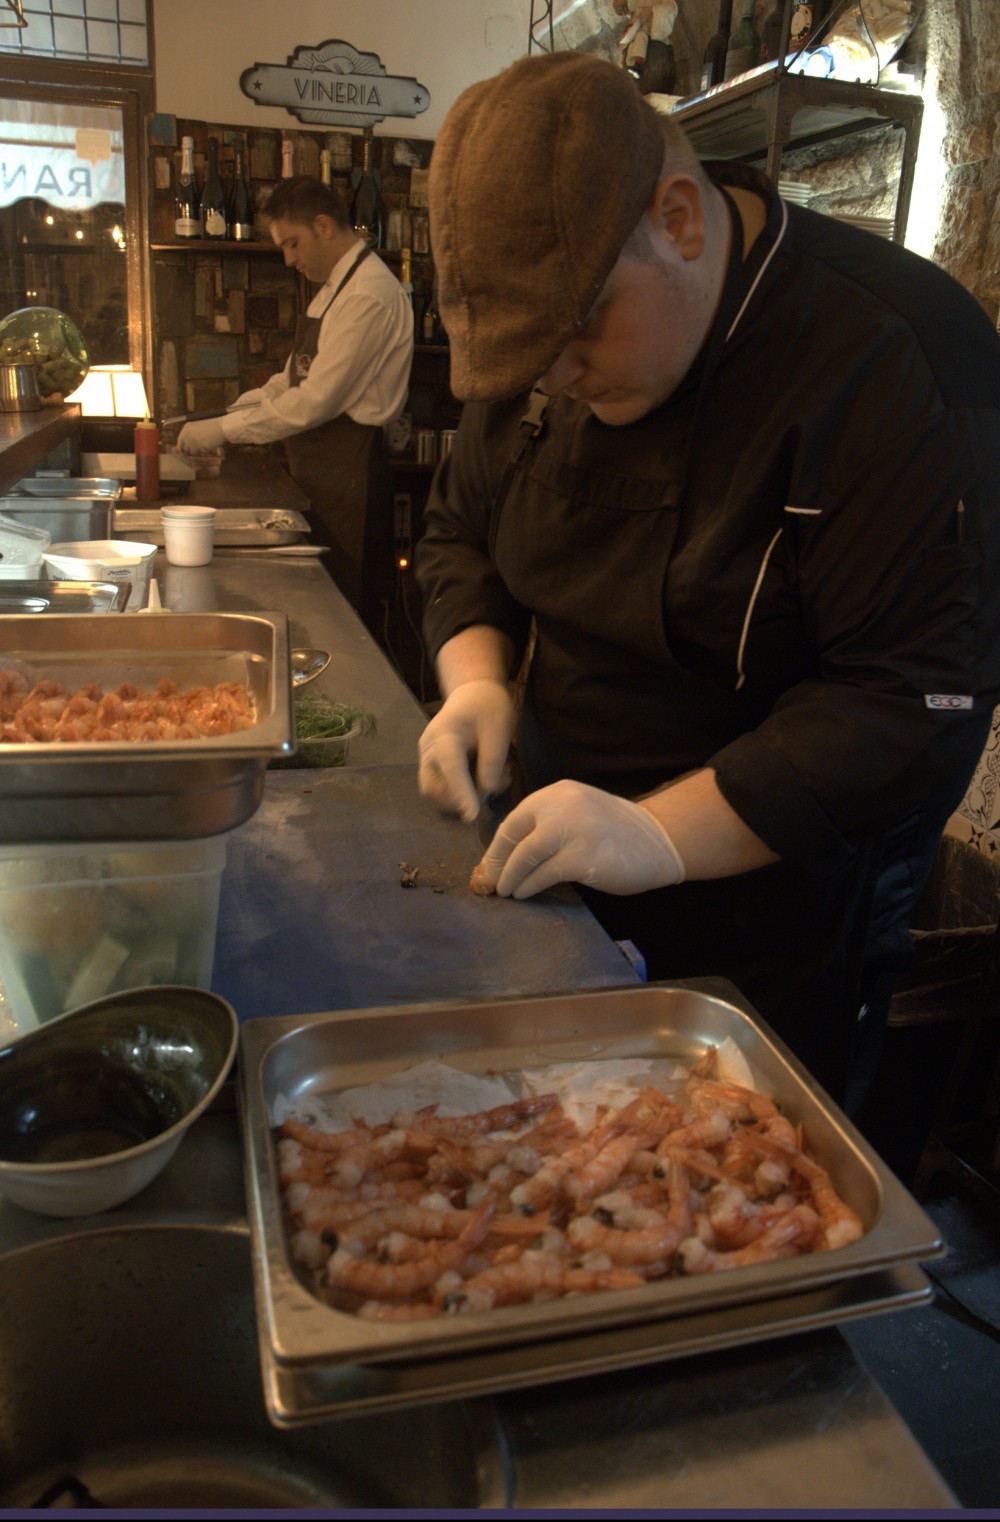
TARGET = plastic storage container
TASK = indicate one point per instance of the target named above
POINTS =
(80, 922)
(105, 560)
(22, 547)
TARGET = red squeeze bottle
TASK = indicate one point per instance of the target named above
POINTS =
(147, 462)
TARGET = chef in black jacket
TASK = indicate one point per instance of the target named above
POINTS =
(346, 377)
(729, 473)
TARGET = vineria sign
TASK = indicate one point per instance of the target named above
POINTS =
(334, 84)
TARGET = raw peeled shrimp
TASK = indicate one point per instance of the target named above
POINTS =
(502, 1118)
(794, 1233)
(533, 1275)
(437, 1214)
(840, 1224)
(329, 1141)
(402, 1281)
(50, 712)
(636, 1235)
(543, 1186)
(737, 1221)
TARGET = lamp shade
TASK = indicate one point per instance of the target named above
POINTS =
(112, 391)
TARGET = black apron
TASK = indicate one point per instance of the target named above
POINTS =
(343, 468)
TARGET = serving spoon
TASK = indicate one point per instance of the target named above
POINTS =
(307, 665)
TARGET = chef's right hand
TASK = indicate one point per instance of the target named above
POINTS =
(203, 437)
(475, 721)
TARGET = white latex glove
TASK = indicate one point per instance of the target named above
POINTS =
(476, 721)
(572, 833)
(202, 437)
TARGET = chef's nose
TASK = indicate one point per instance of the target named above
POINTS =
(565, 370)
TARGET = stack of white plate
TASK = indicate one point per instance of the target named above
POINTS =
(796, 191)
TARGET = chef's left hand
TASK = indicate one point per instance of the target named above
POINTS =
(202, 437)
(570, 832)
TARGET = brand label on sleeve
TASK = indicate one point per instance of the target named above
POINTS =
(949, 700)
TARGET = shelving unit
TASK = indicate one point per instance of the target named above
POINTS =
(760, 115)
(217, 246)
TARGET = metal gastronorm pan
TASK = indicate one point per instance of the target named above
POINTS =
(297, 1056)
(64, 596)
(149, 790)
(234, 526)
(67, 520)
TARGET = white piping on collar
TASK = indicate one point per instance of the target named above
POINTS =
(760, 273)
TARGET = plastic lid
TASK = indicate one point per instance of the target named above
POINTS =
(21, 543)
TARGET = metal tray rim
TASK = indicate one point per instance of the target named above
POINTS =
(302, 1332)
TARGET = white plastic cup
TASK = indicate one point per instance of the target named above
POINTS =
(188, 534)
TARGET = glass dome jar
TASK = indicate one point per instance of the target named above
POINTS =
(54, 345)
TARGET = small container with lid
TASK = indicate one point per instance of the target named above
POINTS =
(188, 534)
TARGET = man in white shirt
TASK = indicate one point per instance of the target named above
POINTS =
(345, 379)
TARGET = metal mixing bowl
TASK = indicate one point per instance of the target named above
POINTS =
(94, 1104)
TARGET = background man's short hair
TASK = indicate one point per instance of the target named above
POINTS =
(303, 199)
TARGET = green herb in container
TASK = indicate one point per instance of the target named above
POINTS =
(324, 730)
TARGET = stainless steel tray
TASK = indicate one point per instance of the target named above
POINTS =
(149, 790)
(64, 596)
(68, 486)
(298, 1056)
(234, 526)
(66, 519)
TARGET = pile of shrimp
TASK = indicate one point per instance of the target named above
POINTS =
(49, 711)
(431, 1215)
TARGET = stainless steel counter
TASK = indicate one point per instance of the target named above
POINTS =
(313, 916)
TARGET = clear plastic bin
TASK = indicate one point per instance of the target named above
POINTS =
(80, 922)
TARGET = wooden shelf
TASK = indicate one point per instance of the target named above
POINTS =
(27, 437)
(216, 246)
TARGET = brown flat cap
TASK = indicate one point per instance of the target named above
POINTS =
(537, 178)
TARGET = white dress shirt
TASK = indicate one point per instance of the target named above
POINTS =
(362, 363)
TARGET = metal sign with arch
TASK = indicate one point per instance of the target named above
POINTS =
(334, 84)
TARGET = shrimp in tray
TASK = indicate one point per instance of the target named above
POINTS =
(424, 1215)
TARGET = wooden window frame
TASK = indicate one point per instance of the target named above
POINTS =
(133, 92)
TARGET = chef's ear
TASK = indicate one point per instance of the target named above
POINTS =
(324, 226)
(676, 213)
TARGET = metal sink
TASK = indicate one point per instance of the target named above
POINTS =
(129, 1378)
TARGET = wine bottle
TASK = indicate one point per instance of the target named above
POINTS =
(187, 223)
(433, 328)
(213, 202)
(287, 158)
(713, 69)
(770, 33)
(368, 210)
(744, 43)
(240, 221)
(324, 166)
(404, 274)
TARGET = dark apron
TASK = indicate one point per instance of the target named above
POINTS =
(343, 468)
